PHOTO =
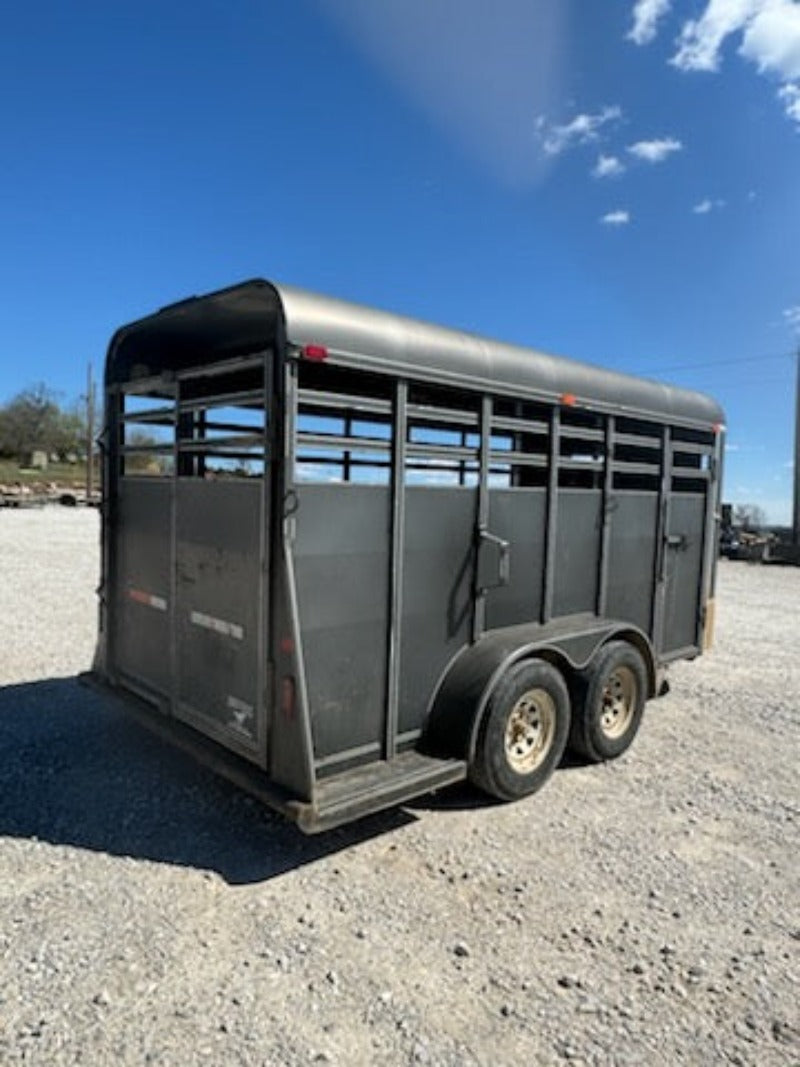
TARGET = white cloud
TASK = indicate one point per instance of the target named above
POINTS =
(789, 95)
(607, 167)
(700, 39)
(770, 38)
(646, 16)
(583, 129)
(655, 151)
(705, 206)
(792, 317)
(616, 218)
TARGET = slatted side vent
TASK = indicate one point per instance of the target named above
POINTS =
(222, 422)
(443, 438)
(344, 427)
(581, 449)
(146, 445)
(519, 445)
(637, 455)
(692, 460)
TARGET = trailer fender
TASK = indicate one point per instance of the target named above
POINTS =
(570, 644)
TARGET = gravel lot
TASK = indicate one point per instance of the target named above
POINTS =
(642, 912)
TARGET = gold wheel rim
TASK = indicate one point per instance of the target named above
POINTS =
(530, 729)
(618, 702)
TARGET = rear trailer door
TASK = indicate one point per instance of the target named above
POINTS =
(221, 552)
(219, 593)
(191, 549)
(140, 587)
(691, 495)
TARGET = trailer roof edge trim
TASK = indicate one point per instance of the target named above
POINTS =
(245, 317)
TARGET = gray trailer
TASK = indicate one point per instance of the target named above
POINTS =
(350, 558)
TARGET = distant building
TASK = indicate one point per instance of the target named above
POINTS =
(37, 460)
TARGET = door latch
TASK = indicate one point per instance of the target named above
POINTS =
(494, 561)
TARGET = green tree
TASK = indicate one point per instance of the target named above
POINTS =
(750, 517)
(33, 420)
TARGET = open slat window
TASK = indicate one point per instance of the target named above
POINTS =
(222, 425)
(692, 455)
(443, 442)
(519, 445)
(344, 434)
(147, 434)
(581, 450)
(637, 455)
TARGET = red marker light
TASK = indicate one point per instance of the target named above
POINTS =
(287, 646)
(288, 692)
(569, 400)
(316, 353)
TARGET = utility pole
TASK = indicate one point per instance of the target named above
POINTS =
(89, 434)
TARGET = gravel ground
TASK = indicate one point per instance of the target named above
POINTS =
(641, 912)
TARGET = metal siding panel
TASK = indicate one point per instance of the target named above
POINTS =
(577, 550)
(632, 552)
(518, 516)
(141, 637)
(437, 591)
(217, 608)
(342, 561)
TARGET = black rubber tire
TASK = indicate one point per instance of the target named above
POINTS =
(491, 769)
(588, 737)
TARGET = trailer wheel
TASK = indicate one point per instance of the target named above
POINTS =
(608, 703)
(523, 733)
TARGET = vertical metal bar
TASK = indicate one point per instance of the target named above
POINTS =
(348, 432)
(264, 559)
(479, 597)
(515, 478)
(608, 504)
(277, 483)
(109, 590)
(288, 527)
(796, 507)
(172, 621)
(660, 556)
(397, 540)
(551, 521)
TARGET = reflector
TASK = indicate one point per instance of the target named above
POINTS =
(316, 353)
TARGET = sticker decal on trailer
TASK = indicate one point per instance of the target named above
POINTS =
(220, 626)
(242, 717)
(150, 600)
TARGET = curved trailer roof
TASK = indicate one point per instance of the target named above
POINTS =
(245, 317)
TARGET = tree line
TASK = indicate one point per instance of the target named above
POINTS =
(34, 420)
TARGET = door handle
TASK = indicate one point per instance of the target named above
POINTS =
(679, 541)
(494, 561)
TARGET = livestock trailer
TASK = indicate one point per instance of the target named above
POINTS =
(349, 558)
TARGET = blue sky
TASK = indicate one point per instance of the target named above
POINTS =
(613, 181)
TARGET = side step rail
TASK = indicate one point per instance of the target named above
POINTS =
(370, 788)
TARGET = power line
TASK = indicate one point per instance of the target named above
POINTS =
(719, 363)
(718, 385)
